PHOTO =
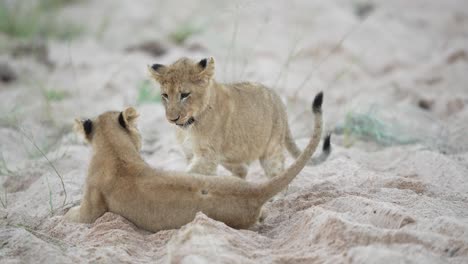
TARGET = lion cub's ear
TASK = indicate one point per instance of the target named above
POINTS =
(156, 70)
(207, 68)
(128, 117)
(83, 126)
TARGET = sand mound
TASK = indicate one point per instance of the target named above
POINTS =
(354, 214)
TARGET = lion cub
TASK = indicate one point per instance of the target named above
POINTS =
(120, 181)
(228, 124)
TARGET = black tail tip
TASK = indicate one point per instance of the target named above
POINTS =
(156, 66)
(326, 143)
(317, 104)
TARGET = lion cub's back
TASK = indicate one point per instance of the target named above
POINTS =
(257, 115)
(256, 95)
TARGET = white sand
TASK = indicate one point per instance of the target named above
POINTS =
(366, 204)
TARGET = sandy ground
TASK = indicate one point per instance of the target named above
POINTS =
(401, 202)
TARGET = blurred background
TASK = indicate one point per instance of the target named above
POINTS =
(393, 72)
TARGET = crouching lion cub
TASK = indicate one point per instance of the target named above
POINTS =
(228, 124)
(120, 181)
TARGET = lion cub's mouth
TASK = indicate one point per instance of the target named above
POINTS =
(190, 121)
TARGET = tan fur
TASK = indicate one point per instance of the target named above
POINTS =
(235, 124)
(120, 181)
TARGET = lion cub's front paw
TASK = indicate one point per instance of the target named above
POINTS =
(73, 215)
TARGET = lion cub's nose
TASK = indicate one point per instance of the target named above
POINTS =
(175, 120)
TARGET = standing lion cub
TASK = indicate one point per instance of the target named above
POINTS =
(228, 124)
(120, 181)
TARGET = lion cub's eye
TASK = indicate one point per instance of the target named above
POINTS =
(184, 95)
(164, 95)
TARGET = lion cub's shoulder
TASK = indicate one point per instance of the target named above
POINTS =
(252, 89)
(247, 86)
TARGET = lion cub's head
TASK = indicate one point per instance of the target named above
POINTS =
(110, 128)
(184, 88)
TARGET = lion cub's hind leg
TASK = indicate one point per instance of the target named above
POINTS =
(238, 170)
(272, 161)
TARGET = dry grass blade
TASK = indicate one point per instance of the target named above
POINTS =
(31, 140)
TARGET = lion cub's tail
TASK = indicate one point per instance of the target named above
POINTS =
(278, 183)
(295, 151)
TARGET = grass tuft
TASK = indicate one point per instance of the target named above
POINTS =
(9, 117)
(146, 93)
(368, 127)
(4, 170)
(53, 95)
(183, 32)
(29, 20)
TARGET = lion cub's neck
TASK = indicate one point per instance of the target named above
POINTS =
(116, 155)
(217, 107)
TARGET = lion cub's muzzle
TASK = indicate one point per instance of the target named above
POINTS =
(189, 122)
(173, 120)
